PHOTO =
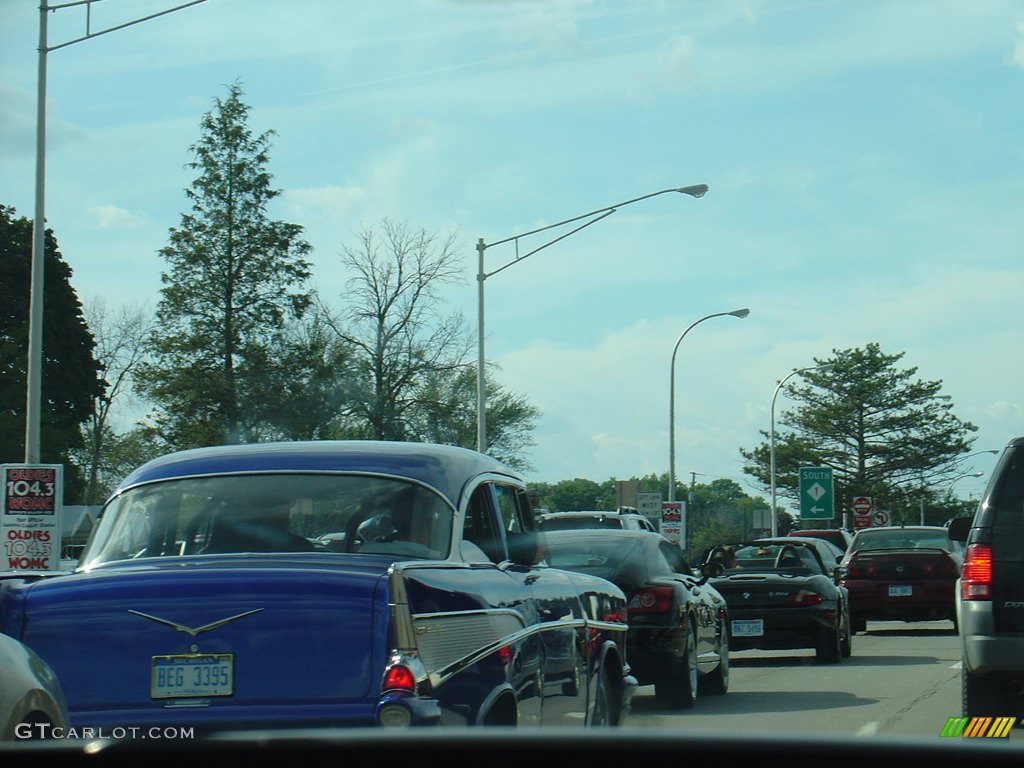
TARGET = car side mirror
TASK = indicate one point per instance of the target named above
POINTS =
(960, 528)
(525, 547)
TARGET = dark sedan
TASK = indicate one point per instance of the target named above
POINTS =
(783, 593)
(902, 573)
(678, 624)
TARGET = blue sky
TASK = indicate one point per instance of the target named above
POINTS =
(865, 163)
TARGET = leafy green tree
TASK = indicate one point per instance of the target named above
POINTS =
(70, 373)
(580, 493)
(447, 414)
(885, 433)
(235, 279)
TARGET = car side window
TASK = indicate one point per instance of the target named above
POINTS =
(674, 557)
(481, 526)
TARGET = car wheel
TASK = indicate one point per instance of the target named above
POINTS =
(717, 682)
(678, 690)
(829, 648)
(601, 715)
(859, 623)
(846, 644)
(981, 695)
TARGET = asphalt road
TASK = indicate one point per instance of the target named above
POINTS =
(903, 679)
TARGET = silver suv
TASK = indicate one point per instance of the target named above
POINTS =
(990, 593)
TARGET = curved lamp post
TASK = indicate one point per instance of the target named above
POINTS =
(827, 367)
(695, 190)
(741, 313)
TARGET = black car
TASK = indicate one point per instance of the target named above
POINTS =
(678, 623)
(783, 593)
(990, 594)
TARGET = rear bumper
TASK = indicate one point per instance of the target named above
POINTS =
(784, 627)
(208, 719)
(984, 648)
(928, 600)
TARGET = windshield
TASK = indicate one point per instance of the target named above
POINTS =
(273, 513)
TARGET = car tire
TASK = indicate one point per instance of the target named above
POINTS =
(601, 714)
(981, 695)
(717, 682)
(829, 648)
(846, 643)
(858, 624)
(678, 690)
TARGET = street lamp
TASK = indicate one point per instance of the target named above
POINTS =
(33, 374)
(824, 368)
(740, 313)
(959, 477)
(696, 190)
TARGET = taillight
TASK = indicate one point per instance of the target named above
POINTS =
(803, 598)
(399, 678)
(976, 574)
(651, 600)
(857, 570)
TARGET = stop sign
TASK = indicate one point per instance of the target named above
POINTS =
(862, 505)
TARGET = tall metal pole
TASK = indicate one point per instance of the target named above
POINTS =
(33, 396)
(741, 313)
(826, 367)
(695, 190)
(34, 373)
(481, 392)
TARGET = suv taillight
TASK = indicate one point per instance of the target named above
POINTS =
(976, 574)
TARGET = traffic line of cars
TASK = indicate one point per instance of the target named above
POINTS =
(401, 584)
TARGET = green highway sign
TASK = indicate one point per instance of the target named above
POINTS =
(816, 497)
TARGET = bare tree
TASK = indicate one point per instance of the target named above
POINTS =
(120, 348)
(399, 336)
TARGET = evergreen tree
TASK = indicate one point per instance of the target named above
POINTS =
(70, 374)
(885, 433)
(235, 279)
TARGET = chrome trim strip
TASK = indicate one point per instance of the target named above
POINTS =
(197, 630)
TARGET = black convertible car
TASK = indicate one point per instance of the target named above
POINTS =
(678, 623)
(783, 593)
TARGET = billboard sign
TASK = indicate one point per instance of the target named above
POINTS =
(30, 516)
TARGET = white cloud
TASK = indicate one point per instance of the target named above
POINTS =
(327, 201)
(678, 62)
(1018, 48)
(109, 216)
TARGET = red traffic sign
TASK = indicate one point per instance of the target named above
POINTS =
(862, 505)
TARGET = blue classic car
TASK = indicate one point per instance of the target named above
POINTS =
(324, 584)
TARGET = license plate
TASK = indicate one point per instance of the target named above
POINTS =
(748, 627)
(194, 675)
(901, 590)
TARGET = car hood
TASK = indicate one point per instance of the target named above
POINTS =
(298, 629)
